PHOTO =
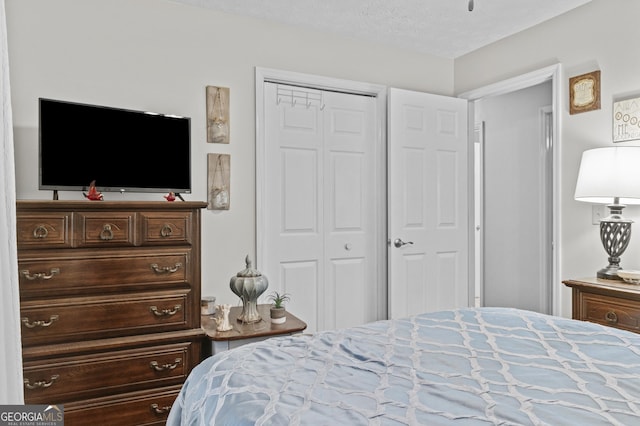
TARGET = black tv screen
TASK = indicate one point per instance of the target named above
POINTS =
(119, 149)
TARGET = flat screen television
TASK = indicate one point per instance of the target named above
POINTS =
(120, 149)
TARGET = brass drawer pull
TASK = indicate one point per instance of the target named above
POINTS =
(165, 312)
(34, 324)
(166, 231)
(42, 384)
(107, 233)
(160, 410)
(155, 366)
(40, 232)
(165, 269)
(611, 317)
(39, 275)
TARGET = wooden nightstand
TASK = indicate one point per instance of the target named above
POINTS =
(607, 302)
(247, 333)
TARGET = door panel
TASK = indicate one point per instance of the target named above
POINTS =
(428, 203)
(350, 196)
(347, 306)
(294, 223)
(299, 175)
(300, 278)
(321, 199)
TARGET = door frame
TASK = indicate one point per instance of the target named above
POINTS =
(477, 254)
(551, 73)
(377, 91)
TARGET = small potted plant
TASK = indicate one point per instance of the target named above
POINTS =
(278, 309)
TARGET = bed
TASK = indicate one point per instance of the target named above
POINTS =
(474, 366)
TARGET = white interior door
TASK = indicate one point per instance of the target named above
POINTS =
(321, 200)
(428, 203)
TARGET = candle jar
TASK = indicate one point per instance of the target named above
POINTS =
(208, 305)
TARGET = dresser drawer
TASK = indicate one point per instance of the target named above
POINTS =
(56, 380)
(44, 230)
(136, 408)
(103, 271)
(161, 228)
(72, 319)
(104, 229)
(612, 311)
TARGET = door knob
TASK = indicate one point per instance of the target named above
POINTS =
(399, 243)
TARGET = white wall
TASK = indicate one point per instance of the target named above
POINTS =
(157, 55)
(599, 35)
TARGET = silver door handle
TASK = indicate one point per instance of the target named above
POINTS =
(399, 243)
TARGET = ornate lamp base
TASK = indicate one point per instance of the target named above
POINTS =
(609, 272)
(615, 233)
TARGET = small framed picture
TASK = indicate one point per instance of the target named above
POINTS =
(626, 120)
(218, 185)
(217, 114)
(584, 92)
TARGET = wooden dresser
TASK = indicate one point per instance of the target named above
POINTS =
(608, 302)
(109, 305)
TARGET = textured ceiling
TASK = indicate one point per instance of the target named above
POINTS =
(443, 28)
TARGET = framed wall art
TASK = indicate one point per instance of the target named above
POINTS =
(218, 185)
(217, 114)
(626, 120)
(584, 92)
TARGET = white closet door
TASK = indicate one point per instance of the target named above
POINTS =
(428, 203)
(320, 200)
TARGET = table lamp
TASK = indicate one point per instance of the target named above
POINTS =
(611, 176)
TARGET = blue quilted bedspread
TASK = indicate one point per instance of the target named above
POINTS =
(487, 366)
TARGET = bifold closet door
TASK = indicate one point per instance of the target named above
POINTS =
(320, 196)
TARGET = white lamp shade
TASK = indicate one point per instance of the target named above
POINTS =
(606, 173)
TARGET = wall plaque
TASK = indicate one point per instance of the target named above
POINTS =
(626, 120)
(584, 92)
